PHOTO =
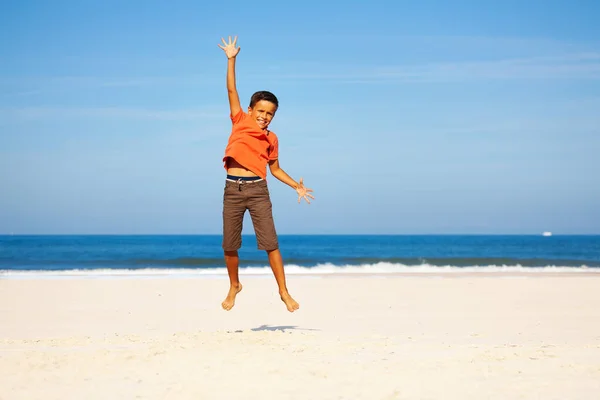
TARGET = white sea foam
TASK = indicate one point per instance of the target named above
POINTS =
(381, 268)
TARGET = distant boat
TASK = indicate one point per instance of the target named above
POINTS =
(547, 234)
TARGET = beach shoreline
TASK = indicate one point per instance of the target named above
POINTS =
(248, 273)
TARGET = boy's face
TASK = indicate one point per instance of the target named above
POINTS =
(262, 112)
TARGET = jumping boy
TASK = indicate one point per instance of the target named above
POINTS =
(250, 148)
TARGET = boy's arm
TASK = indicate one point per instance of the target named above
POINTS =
(231, 52)
(279, 173)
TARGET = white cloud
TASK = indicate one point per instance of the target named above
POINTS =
(569, 66)
(108, 112)
(576, 66)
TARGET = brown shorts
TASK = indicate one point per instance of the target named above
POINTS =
(252, 196)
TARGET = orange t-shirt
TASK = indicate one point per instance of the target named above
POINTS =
(250, 146)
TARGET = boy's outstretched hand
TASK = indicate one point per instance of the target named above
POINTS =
(229, 48)
(303, 192)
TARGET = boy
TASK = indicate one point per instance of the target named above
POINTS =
(250, 148)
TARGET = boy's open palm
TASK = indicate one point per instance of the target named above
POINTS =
(229, 48)
(303, 192)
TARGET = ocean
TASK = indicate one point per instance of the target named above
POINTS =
(177, 255)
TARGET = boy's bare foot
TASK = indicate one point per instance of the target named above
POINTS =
(290, 303)
(229, 301)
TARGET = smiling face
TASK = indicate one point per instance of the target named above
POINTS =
(262, 112)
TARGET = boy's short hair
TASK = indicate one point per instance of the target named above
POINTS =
(263, 95)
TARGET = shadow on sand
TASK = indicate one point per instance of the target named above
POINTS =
(282, 328)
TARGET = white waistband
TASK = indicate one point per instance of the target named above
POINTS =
(243, 181)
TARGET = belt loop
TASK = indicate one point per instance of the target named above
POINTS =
(240, 182)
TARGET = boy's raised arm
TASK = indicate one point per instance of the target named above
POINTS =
(231, 52)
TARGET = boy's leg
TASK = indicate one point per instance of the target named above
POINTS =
(276, 262)
(234, 208)
(260, 207)
(232, 261)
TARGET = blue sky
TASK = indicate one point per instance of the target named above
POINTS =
(404, 117)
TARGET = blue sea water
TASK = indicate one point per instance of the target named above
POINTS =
(111, 255)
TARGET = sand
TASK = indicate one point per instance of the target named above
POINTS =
(455, 336)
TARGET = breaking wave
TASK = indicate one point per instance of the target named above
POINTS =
(379, 268)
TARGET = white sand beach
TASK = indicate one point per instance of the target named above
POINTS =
(455, 336)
